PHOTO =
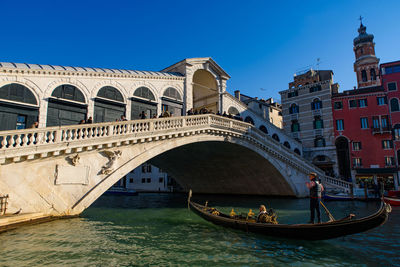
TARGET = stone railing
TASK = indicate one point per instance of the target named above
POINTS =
(51, 141)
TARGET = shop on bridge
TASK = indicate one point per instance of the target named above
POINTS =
(143, 100)
(18, 107)
(66, 106)
(172, 102)
(108, 105)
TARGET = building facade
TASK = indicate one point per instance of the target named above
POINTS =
(266, 108)
(307, 116)
(363, 121)
(148, 178)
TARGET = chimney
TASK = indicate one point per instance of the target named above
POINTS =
(237, 94)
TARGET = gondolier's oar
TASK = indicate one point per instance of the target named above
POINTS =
(331, 219)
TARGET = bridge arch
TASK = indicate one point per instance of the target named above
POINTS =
(145, 100)
(233, 111)
(249, 120)
(205, 90)
(264, 129)
(109, 104)
(276, 137)
(199, 171)
(19, 106)
(67, 105)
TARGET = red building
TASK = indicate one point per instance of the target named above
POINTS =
(390, 76)
(362, 127)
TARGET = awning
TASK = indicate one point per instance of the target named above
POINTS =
(376, 170)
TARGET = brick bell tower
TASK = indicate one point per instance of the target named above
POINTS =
(366, 65)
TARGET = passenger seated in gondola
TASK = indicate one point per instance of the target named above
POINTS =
(265, 216)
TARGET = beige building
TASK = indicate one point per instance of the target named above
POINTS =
(307, 116)
(266, 108)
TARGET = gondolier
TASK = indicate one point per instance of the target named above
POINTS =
(316, 190)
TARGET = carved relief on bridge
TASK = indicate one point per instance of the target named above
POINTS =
(112, 156)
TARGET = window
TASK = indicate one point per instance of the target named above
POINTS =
(146, 168)
(318, 123)
(392, 69)
(148, 180)
(319, 142)
(394, 105)
(131, 180)
(316, 104)
(362, 103)
(387, 144)
(381, 100)
(295, 127)
(356, 146)
(364, 123)
(338, 105)
(293, 94)
(161, 180)
(392, 86)
(384, 121)
(364, 75)
(396, 132)
(315, 88)
(21, 122)
(339, 125)
(373, 74)
(353, 103)
(293, 109)
(143, 180)
(389, 161)
(375, 122)
(357, 162)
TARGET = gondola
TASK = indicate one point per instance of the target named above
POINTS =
(393, 201)
(320, 231)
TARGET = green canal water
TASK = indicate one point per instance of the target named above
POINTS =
(158, 230)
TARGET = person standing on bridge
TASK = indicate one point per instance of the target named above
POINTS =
(316, 190)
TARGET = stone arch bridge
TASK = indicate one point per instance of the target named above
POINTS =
(61, 171)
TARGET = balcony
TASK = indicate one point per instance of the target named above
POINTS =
(294, 116)
(295, 135)
(317, 112)
(381, 130)
(318, 132)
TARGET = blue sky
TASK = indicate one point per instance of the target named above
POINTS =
(260, 44)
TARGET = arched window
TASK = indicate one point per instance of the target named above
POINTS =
(293, 109)
(295, 127)
(144, 92)
(70, 92)
(297, 151)
(275, 137)
(364, 75)
(172, 93)
(17, 92)
(318, 122)
(319, 142)
(316, 104)
(12, 115)
(286, 144)
(394, 104)
(233, 111)
(110, 93)
(264, 129)
(249, 120)
(373, 74)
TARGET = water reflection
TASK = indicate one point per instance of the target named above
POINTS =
(152, 229)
